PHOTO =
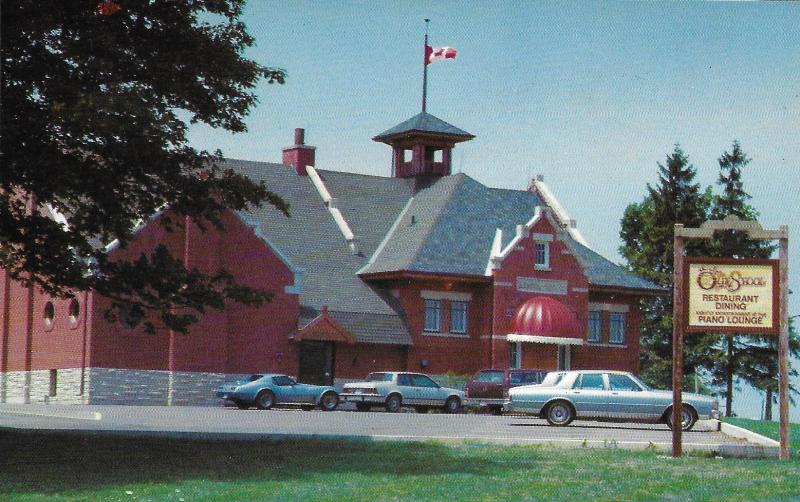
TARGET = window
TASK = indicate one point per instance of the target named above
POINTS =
(595, 324)
(526, 377)
(379, 377)
(515, 361)
(49, 313)
(458, 317)
(404, 379)
(490, 377)
(423, 381)
(282, 381)
(432, 314)
(542, 256)
(617, 327)
(623, 382)
(74, 312)
(591, 381)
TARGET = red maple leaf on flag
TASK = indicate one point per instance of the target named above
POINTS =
(107, 8)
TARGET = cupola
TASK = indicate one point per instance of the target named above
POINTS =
(422, 146)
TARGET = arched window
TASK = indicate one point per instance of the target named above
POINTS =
(74, 312)
(49, 313)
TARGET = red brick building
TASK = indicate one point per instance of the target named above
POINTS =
(423, 270)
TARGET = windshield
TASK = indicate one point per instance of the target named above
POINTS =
(253, 378)
(644, 385)
(379, 377)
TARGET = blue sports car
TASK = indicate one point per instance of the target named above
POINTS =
(266, 391)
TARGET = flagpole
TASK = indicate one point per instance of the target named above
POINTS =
(425, 67)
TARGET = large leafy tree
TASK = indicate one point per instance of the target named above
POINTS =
(647, 233)
(96, 101)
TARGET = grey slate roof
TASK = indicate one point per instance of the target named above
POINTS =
(426, 123)
(442, 225)
(310, 239)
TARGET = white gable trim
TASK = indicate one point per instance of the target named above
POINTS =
(250, 221)
(538, 185)
(523, 231)
(330, 203)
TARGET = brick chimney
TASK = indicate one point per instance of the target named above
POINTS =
(300, 155)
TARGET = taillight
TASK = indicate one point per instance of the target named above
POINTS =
(506, 395)
(466, 391)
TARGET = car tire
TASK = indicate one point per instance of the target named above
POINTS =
(559, 413)
(452, 405)
(329, 401)
(242, 405)
(265, 400)
(393, 403)
(688, 419)
(422, 409)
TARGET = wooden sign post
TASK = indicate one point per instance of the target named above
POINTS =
(727, 295)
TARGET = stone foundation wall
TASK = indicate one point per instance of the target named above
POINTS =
(35, 386)
(113, 386)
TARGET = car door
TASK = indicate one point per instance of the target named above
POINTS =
(590, 395)
(406, 387)
(427, 391)
(284, 389)
(626, 399)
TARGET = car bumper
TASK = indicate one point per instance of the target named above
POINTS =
(362, 398)
(474, 402)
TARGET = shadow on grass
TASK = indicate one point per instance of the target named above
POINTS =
(55, 461)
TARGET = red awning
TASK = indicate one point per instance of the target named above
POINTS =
(545, 319)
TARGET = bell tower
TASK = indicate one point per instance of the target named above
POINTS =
(422, 145)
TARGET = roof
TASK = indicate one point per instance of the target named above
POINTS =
(424, 123)
(400, 225)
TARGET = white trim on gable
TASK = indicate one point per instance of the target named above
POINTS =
(542, 190)
(523, 231)
(330, 203)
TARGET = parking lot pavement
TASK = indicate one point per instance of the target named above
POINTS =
(278, 423)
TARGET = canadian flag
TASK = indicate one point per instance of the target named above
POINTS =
(438, 53)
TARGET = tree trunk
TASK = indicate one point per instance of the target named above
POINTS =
(768, 406)
(729, 379)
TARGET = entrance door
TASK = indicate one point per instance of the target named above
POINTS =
(316, 363)
(564, 358)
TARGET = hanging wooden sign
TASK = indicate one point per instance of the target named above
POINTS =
(730, 295)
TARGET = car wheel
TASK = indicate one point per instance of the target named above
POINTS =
(559, 413)
(393, 403)
(362, 407)
(421, 409)
(242, 405)
(265, 399)
(688, 418)
(452, 405)
(329, 401)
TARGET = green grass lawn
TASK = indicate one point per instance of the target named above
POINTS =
(768, 429)
(64, 466)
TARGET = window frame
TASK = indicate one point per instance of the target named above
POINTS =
(616, 319)
(431, 305)
(463, 315)
(589, 323)
(545, 264)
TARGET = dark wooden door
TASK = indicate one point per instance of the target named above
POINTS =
(316, 363)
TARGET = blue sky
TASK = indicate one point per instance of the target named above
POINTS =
(589, 94)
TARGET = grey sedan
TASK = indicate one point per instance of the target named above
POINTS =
(393, 390)
(266, 391)
(615, 396)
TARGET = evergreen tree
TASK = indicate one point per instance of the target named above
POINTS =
(754, 358)
(96, 98)
(648, 236)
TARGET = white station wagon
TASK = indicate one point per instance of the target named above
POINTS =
(393, 390)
